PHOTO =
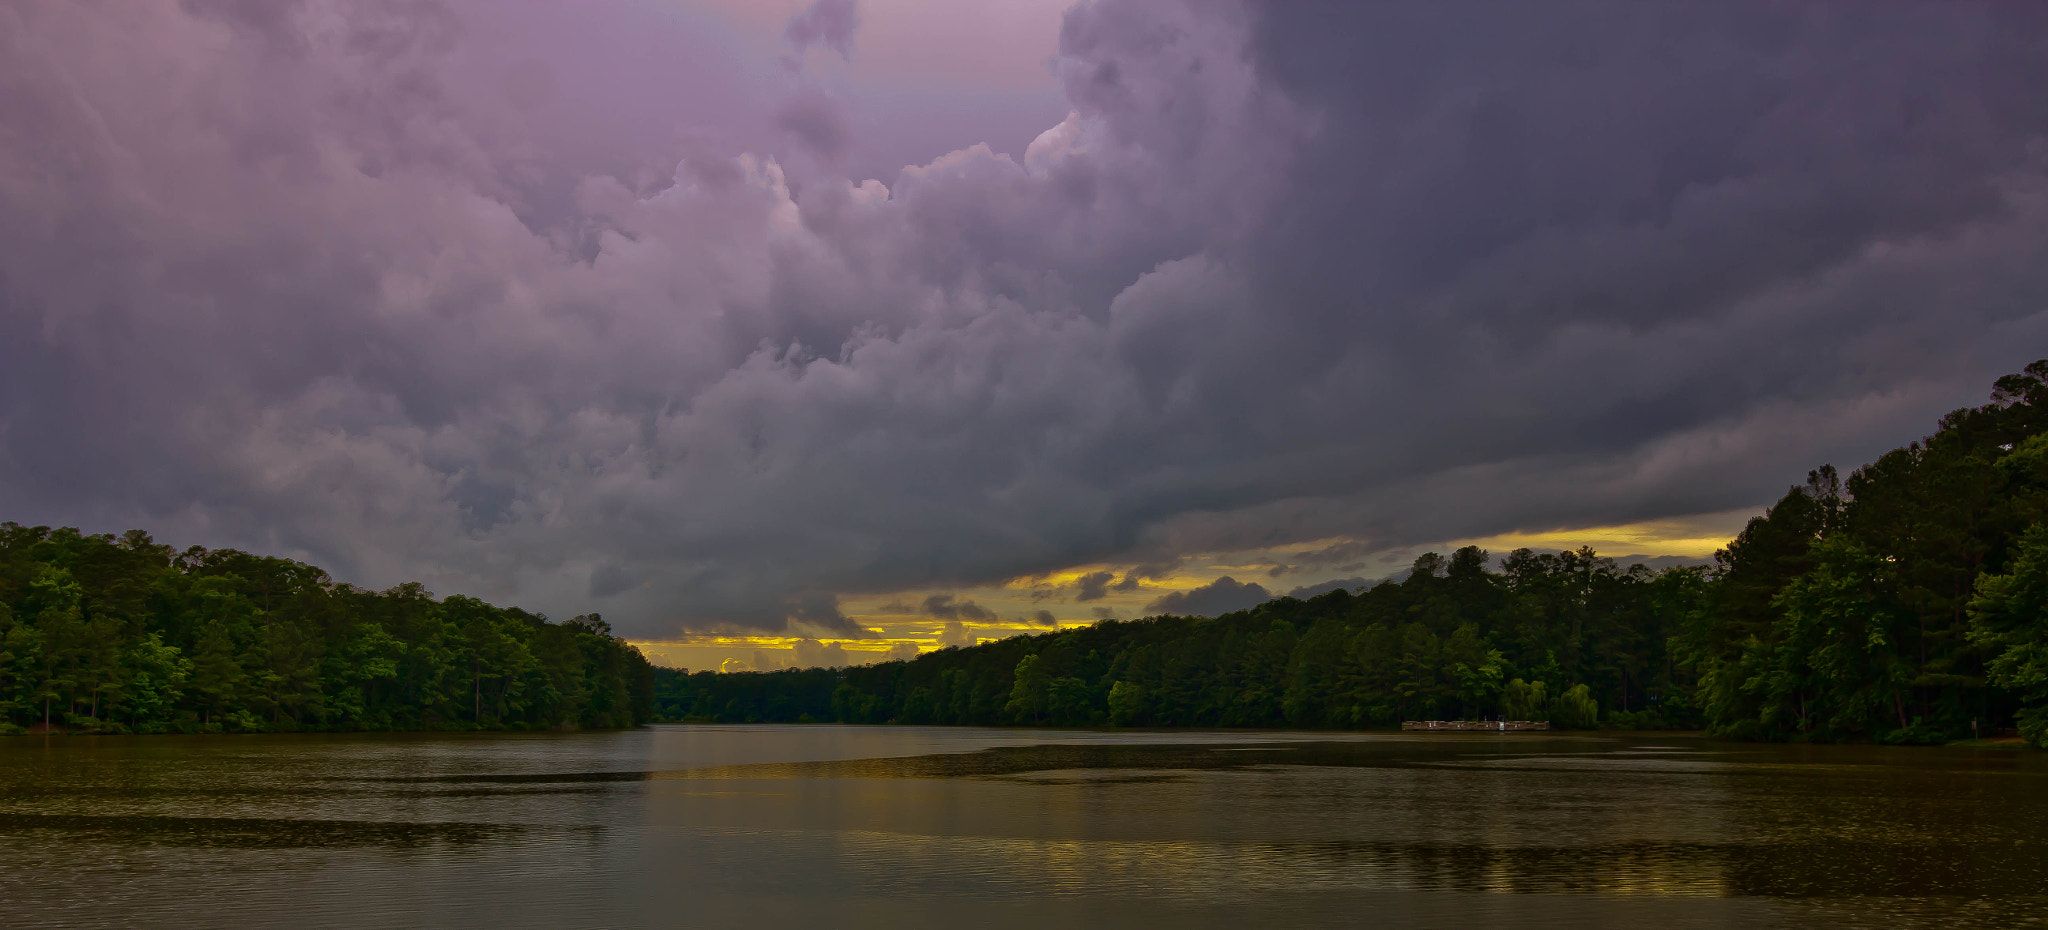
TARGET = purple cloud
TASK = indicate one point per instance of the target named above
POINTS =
(816, 123)
(830, 23)
(521, 305)
(1214, 599)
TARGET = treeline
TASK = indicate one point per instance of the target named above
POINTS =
(1907, 604)
(119, 634)
(1901, 605)
(1546, 637)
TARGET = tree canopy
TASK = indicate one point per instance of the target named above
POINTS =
(1547, 636)
(121, 634)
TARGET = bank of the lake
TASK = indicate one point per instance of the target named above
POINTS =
(123, 634)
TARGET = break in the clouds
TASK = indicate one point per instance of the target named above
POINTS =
(453, 292)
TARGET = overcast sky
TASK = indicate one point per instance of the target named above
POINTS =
(780, 320)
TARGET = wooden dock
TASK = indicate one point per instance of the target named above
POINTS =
(1495, 726)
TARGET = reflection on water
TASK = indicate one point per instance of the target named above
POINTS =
(864, 826)
(248, 832)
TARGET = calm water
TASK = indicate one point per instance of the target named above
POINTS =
(891, 826)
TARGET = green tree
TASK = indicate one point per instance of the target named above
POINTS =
(2009, 621)
(1575, 709)
(1524, 700)
(218, 678)
(156, 675)
(1837, 664)
(63, 640)
(1028, 691)
(1126, 704)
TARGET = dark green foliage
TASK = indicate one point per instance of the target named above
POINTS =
(2010, 624)
(1452, 640)
(1896, 607)
(111, 634)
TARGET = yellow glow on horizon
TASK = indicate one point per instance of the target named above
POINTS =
(1064, 576)
(1693, 537)
(894, 620)
(771, 642)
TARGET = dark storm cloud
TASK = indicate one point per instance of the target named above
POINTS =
(610, 579)
(307, 279)
(1150, 571)
(1344, 556)
(819, 612)
(1093, 586)
(947, 607)
(1214, 599)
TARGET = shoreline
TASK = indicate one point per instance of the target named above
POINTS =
(2003, 743)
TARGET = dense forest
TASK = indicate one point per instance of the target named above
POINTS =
(1907, 604)
(120, 634)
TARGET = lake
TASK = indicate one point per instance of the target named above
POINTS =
(834, 826)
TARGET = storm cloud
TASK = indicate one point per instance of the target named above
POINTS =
(1093, 586)
(320, 279)
(1222, 596)
(946, 607)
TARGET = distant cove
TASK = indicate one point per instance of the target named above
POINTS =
(1907, 604)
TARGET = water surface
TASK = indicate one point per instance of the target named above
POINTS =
(905, 826)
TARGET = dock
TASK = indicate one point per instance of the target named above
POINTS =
(1496, 726)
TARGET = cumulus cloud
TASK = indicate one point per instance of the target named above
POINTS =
(956, 633)
(812, 654)
(947, 607)
(1216, 598)
(1044, 618)
(1150, 571)
(305, 279)
(819, 612)
(1093, 586)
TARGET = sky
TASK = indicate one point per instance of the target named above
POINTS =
(811, 333)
